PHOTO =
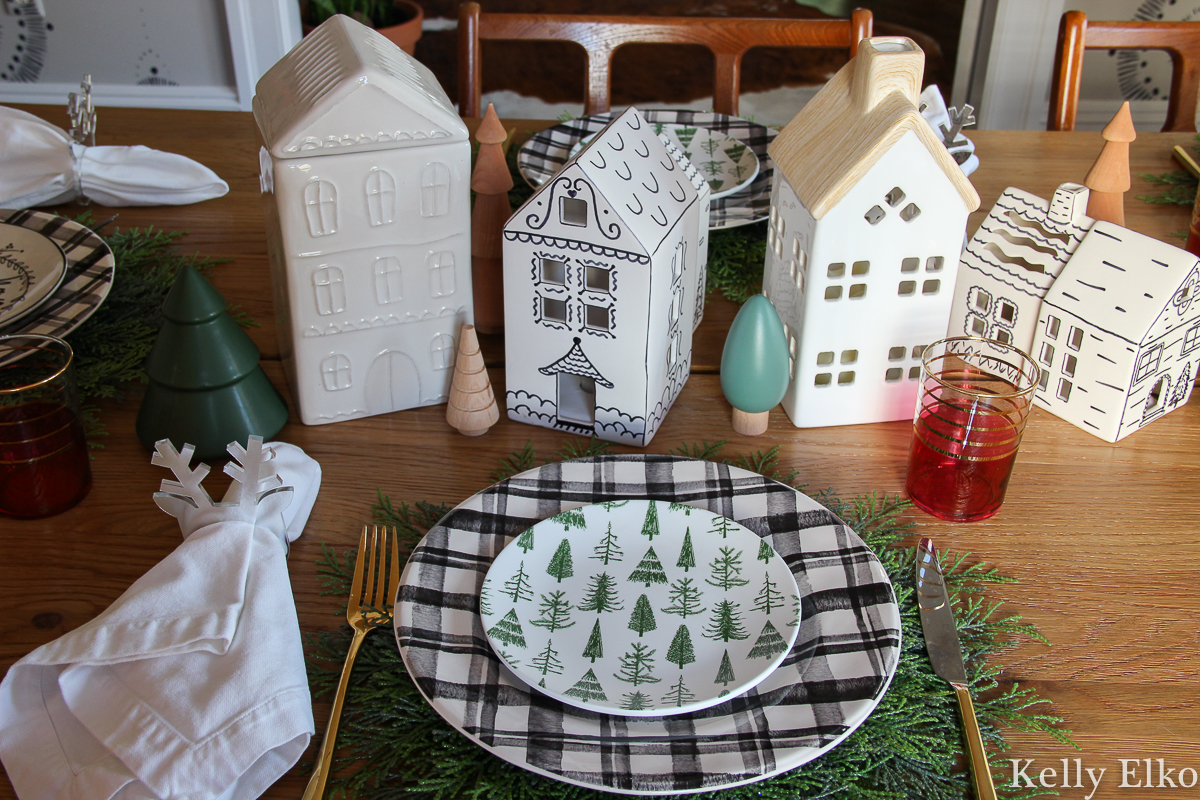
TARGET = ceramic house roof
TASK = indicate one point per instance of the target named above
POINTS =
(576, 363)
(631, 167)
(346, 88)
(1121, 281)
(852, 123)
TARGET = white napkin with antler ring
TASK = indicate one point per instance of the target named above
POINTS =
(40, 165)
(192, 683)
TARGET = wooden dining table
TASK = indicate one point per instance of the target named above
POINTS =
(1102, 540)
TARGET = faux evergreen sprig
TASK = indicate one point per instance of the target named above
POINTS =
(394, 745)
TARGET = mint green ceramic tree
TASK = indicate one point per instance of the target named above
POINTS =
(754, 365)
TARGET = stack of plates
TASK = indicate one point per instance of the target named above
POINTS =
(508, 592)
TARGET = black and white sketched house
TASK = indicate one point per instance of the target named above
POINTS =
(1118, 333)
(600, 283)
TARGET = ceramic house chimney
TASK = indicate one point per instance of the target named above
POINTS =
(885, 65)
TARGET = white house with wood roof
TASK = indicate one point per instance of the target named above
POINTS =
(868, 214)
(366, 167)
(600, 282)
(1118, 333)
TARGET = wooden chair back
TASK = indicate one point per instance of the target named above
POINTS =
(727, 38)
(1076, 34)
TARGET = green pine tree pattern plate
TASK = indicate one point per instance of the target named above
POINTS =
(640, 607)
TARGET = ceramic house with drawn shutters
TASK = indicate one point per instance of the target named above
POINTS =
(365, 174)
(1118, 333)
(600, 276)
(1012, 261)
(868, 212)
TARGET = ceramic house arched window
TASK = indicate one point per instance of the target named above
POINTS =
(441, 273)
(335, 372)
(435, 190)
(329, 290)
(388, 288)
(441, 351)
(320, 207)
(381, 197)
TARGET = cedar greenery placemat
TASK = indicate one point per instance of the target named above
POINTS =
(392, 744)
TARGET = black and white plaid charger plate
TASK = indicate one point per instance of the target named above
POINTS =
(544, 154)
(834, 676)
(89, 277)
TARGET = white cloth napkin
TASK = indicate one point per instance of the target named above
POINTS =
(41, 166)
(936, 114)
(192, 684)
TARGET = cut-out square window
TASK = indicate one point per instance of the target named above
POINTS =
(895, 197)
(1052, 325)
(554, 309)
(858, 290)
(598, 279)
(1069, 364)
(849, 356)
(554, 271)
(860, 268)
(845, 378)
(907, 287)
(934, 264)
(573, 211)
(836, 270)
(874, 215)
(1075, 338)
(978, 326)
(1008, 312)
(1044, 381)
(914, 373)
(1046, 356)
(893, 374)
(824, 358)
(833, 292)
(823, 379)
(910, 212)
(1155, 396)
(596, 317)
(918, 351)
(983, 300)
(931, 287)
(1003, 336)
(896, 353)
(1064, 389)
(910, 264)
(791, 367)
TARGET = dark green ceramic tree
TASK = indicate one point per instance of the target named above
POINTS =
(206, 386)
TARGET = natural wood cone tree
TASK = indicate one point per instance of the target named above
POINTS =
(1108, 179)
(490, 181)
(472, 408)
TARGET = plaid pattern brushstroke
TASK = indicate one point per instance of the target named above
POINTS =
(89, 277)
(837, 671)
(545, 153)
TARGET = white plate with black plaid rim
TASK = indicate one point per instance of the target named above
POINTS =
(545, 152)
(89, 277)
(838, 669)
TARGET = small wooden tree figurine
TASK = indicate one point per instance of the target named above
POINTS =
(754, 365)
(472, 407)
(1108, 178)
(490, 181)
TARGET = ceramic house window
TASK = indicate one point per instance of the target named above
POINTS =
(329, 290)
(573, 211)
(1148, 364)
(597, 279)
(441, 351)
(435, 190)
(1064, 389)
(1047, 354)
(910, 264)
(387, 280)
(1003, 336)
(1070, 362)
(553, 271)
(335, 372)
(320, 207)
(596, 317)
(1052, 326)
(978, 325)
(441, 273)
(934, 264)
(381, 197)
(1075, 339)
(1191, 338)
(554, 309)
(895, 197)
(874, 215)
(1008, 312)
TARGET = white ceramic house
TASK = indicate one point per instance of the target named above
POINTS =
(868, 214)
(1118, 333)
(366, 181)
(1012, 261)
(600, 278)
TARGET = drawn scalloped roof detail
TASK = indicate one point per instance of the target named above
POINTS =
(630, 165)
(331, 92)
(576, 363)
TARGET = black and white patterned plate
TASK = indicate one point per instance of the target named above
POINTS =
(89, 276)
(544, 154)
(837, 671)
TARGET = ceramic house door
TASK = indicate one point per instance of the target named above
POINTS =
(392, 383)
(577, 399)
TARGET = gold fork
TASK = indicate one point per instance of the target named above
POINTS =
(367, 608)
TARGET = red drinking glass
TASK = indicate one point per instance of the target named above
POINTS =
(44, 467)
(974, 400)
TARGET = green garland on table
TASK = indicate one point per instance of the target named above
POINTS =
(392, 744)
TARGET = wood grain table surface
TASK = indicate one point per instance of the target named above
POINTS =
(1102, 540)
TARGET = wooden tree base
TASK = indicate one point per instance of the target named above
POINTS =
(750, 424)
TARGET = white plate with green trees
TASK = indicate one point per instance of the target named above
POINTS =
(640, 607)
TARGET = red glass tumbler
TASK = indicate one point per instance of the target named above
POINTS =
(44, 466)
(974, 400)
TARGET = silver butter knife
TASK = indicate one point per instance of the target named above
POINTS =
(941, 640)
